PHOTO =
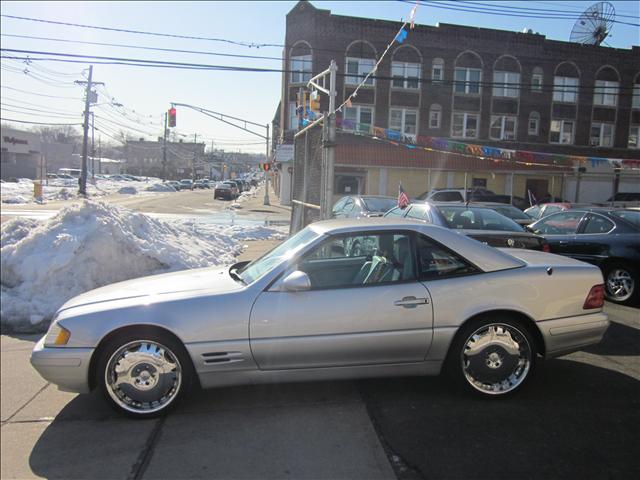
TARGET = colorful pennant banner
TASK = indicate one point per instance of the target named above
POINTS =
(479, 151)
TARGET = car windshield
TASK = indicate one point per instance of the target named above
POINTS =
(478, 219)
(256, 269)
(630, 216)
(379, 204)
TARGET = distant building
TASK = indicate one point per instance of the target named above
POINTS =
(20, 154)
(146, 158)
(481, 86)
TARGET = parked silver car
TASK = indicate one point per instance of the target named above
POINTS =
(427, 298)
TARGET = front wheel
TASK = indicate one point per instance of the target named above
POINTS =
(144, 375)
(492, 357)
(621, 283)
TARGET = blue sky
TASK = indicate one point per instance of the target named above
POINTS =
(253, 96)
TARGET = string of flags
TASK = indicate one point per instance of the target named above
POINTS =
(444, 145)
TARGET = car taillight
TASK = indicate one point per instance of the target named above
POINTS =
(546, 248)
(595, 299)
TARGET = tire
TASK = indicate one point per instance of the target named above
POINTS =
(158, 373)
(621, 283)
(492, 357)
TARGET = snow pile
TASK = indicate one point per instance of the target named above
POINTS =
(128, 190)
(92, 244)
(244, 196)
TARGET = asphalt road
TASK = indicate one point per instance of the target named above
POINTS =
(578, 418)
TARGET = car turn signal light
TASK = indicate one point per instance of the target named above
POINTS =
(546, 248)
(595, 299)
(57, 336)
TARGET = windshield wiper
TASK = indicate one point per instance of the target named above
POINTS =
(235, 276)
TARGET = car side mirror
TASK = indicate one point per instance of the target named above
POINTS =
(296, 282)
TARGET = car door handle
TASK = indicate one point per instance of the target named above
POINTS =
(410, 302)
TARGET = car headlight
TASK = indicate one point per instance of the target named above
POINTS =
(57, 336)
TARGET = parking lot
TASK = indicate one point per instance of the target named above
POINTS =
(579, 418)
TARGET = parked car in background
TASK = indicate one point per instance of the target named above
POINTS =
(355, 206)
(186, 184)
(175, 184)
(608, 238)
(225, 190)
(542, 210)
(201, 183)
(479, 223)
(622, 200)
(472, 195)
(428, 301)
(508, 211)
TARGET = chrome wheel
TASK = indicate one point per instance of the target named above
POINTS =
(496, 358)
(620, 284)
(143, 376)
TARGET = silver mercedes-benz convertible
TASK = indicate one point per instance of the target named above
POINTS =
(422, 300)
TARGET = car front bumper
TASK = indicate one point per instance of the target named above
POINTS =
(566, 335)
(68, 368)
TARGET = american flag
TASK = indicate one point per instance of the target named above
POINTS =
(403, 199)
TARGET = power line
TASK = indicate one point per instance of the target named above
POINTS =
(140, 32)
(42, 110)
(40, 123)
(231, 68)
(37, 114)
(140, 47)
(38, 94)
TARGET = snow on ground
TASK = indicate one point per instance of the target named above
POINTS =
(61, 189)
(92, 244)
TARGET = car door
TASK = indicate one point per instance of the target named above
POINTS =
(592, 242)
(560, 231)
(353, 314)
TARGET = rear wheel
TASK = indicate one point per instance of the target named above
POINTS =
(144, 374)
(493, 356)
(621, 283)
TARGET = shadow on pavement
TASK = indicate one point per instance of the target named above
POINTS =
(573, 420)
(619, 339)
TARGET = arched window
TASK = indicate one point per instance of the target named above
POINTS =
(607, 86)
(566, 82)
(301, 62)
(537, 79)
(635, 102)
(406, 67)
(437, 70)
(506, 77)
(534, 124)
(435, 116)
(467, 74)
(360, 60)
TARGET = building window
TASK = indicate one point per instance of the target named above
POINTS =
(293, 116)
(537, 79)
(601, 135)
(465, 125)
(534, 123)
(404, 121)
(437, 70)
(502, 127)
(358, 118)
(405, 75)
(301, 69)
(435, 116)
(467, 80)
(506, 84)
(565, 89)
(357, 69)
(635, 102)
(606, 93)
(561, 131)
(634, 136)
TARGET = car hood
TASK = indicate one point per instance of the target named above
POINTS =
(211, 280)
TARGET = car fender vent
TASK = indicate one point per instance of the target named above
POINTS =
(222, 357)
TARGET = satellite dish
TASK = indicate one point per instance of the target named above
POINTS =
(594, 25)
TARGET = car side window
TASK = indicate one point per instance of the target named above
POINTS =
(434, 261)
(564, 223)
(598, 224)
(338, 206)
(360, 259)
(348, 206)
(418, 213)
(447, 197)
(396, 212)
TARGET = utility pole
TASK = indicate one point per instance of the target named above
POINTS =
(266, 173)
(193, 162)
(99, 154)
(93, 150)
(164, 149)
(82, 181)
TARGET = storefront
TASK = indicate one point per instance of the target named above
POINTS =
(20, 156)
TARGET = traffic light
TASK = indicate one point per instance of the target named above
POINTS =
(172, 117)
(314, 102)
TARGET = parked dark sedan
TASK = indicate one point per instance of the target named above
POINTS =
(608, 238)
(509, 211)
(354, 206)
(482, 224)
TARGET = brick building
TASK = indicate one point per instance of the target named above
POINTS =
(482, 86)
(146, 157)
